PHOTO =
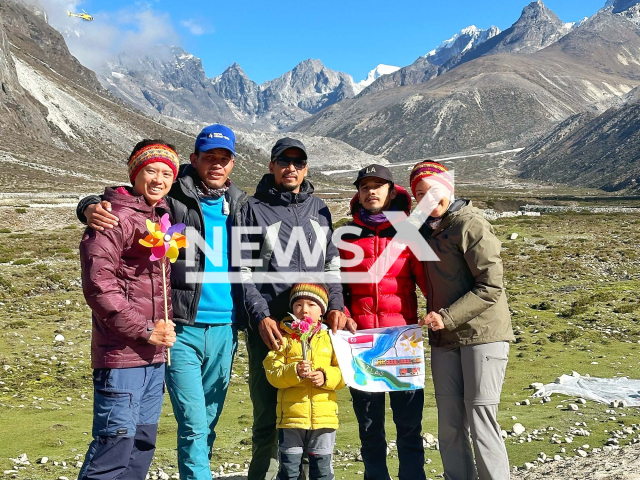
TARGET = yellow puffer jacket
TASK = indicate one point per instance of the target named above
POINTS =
(300, 404)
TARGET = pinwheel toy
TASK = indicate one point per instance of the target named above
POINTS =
(165, 240)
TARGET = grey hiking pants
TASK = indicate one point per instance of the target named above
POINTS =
(468, 382)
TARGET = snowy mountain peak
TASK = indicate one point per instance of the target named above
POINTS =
(470, 30)
(376, 73)
(460, 43)
(567, 27)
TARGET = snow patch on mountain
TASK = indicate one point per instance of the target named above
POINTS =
(460, 43)
(568, 26)
(374, 74)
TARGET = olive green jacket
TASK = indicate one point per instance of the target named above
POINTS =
(466, 286)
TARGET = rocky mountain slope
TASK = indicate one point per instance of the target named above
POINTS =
(494, 102)
(60, 130)
(591, 151)
(620, 6)
(171, 82)
(168, 81)
(301, 92)
(537, 28)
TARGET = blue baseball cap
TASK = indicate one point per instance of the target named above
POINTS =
(216, 136)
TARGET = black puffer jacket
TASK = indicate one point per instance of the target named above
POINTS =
(185, 208)
(284, 217)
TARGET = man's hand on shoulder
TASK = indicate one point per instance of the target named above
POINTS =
(270, 332)
(99, 216)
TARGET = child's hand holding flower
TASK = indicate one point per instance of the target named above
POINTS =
(303, 368)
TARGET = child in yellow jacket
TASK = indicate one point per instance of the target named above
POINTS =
(307, 403)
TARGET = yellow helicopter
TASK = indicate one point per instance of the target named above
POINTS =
(84, 15)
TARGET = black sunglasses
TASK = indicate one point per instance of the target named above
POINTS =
(284, 162)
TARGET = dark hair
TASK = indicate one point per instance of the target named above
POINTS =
(146, 142)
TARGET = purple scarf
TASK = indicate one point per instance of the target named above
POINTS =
(372, 219)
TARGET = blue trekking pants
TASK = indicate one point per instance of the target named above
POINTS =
(197, 381)
(126, 408)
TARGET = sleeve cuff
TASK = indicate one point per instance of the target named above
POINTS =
(262, 315)
(326, 378)
(448, 321)
(146, 335)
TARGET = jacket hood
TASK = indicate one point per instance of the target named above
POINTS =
(402, 203)
(458, 206)
(458, 209)
(130, 200)
(268, 192)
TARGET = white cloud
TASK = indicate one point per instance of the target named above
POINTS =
(196, 28)
(126, 30)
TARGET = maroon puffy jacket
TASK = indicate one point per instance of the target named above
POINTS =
(393, 301)
(122, 286)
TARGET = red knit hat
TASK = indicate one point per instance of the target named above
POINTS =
(152, 154)
(433, 171)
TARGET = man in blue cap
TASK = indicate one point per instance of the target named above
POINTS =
(206, 318)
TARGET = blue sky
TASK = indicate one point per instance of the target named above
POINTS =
(269, 38)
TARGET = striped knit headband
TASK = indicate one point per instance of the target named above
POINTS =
(310, 291)
(152, 154)
(433, 171)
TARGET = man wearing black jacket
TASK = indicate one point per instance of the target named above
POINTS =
(289, 231)
(207, 313)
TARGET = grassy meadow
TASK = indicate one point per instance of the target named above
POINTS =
(572, 281)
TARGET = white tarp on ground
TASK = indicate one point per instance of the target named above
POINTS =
(381, 359)
(602, 390)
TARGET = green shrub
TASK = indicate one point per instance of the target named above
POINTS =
(24, 261)
(55, 277)
(5, 230)
(21, 210)
(565, 336)
(628, 308)
(541, 306)
(18, 324)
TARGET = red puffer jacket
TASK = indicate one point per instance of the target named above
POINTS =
(393, 301)
(122, 286)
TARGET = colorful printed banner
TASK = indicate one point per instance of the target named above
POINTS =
(381, 359)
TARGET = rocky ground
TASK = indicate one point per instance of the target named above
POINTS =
(620, 464)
